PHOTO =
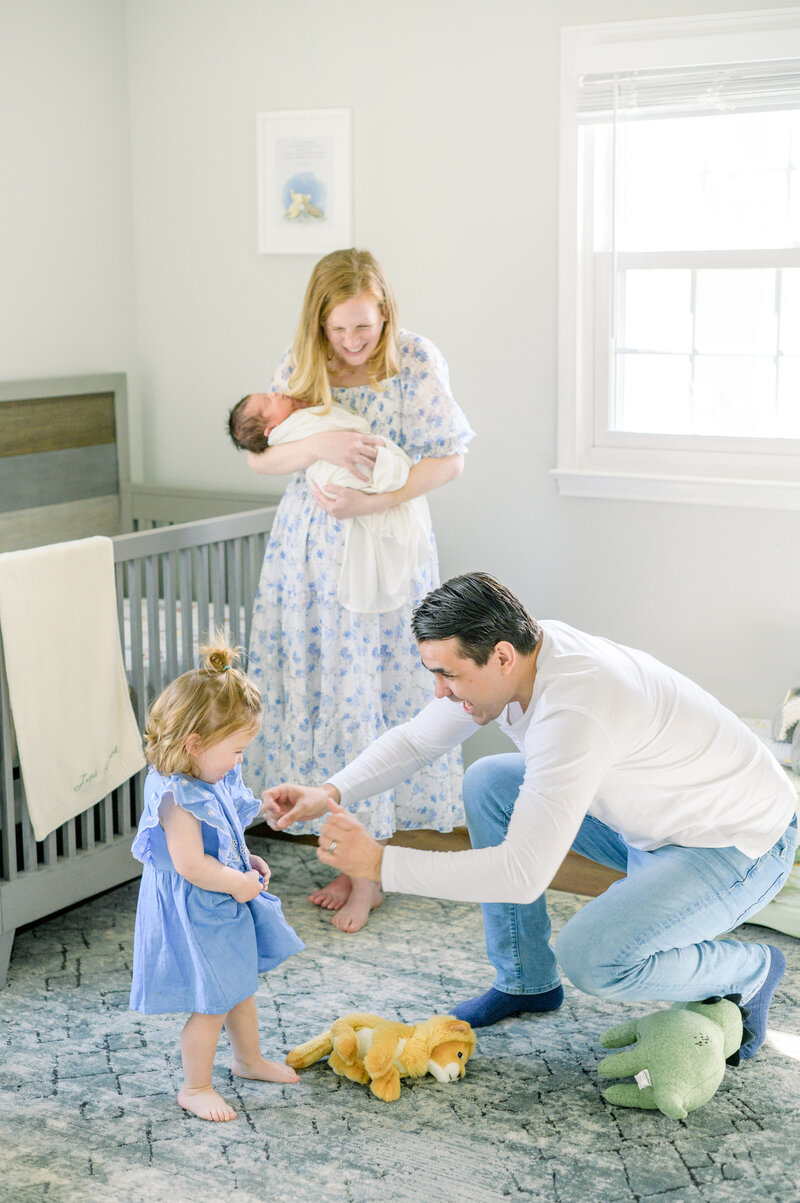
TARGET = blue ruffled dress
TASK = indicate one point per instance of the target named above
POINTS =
(194, 949)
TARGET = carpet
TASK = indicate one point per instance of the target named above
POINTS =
(87, 1088)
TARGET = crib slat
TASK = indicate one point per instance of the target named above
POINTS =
(137, 654)
(70, 840)
(170, 615)
(203, 587)
(7, 818)
(154, 675)
(218, 583)
(187, 609)
(28, 842)
(235, 590)
(50, 849)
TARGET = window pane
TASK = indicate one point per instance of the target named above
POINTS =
(707, 182)
(734, 395)
(790, 311)
(736, 311)
(789, 397)
(653, 393)
(657, 310)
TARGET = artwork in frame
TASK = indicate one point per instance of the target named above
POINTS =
(304, 182)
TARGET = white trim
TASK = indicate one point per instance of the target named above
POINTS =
(626, 486)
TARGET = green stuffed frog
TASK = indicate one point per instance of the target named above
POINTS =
(678, 1059)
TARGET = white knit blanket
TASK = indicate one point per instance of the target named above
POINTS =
(383, 551)
(77, 735)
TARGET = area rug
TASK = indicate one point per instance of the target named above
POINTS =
(87, 1088)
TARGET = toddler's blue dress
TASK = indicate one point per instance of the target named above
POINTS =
(194, 949)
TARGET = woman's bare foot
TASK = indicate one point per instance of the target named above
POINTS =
(365, 896)
(334, 895)
(265, 1071)
(205, 1102)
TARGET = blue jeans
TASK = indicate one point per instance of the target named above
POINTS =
(651, 935)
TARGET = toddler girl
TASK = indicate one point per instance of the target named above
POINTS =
(205, 925)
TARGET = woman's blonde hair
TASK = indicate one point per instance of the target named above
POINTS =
(212, 701)
(337, 278)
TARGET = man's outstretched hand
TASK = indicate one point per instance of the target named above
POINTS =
(345, 845)
(282, 805)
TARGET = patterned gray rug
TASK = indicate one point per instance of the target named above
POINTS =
(87, 1098)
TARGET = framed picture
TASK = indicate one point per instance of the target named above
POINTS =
(305, 204)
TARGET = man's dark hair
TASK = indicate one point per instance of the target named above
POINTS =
(479, 612)
(246, 432)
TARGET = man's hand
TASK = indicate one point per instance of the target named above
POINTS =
(282, 805)
(345, 845)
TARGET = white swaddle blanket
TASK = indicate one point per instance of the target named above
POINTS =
(77, 735)
(382, 551)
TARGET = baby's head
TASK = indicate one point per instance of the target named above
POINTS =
(191, 723)
(252, 420)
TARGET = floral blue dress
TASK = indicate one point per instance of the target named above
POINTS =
(194, 949)
(332, 681)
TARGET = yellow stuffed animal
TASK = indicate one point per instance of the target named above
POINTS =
(377, 1051)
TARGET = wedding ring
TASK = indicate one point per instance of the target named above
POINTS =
(332, 846)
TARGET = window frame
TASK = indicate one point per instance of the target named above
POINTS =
(593, 460)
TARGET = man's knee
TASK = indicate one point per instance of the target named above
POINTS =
(587, 959)
(492, 779)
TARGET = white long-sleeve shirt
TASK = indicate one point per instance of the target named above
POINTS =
(609, 731)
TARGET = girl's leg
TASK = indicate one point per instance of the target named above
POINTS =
(198, 1045)
(241, 1024)
(365, 896)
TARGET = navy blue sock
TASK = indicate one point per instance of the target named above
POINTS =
(493, 1006)
(755, 1012)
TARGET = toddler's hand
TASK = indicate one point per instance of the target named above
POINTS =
(248, 887)
(261, 867)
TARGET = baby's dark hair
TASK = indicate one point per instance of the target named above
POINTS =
(246, 431)
(212, 701)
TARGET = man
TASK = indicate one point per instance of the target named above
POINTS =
(622, 759)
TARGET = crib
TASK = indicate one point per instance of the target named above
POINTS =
(174, 584)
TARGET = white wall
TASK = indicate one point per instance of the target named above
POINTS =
(66, 267)
(456, 169)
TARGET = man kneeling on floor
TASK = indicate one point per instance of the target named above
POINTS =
(621, 759)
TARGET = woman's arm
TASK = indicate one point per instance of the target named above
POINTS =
(425, 476)
(345, 448)
(185, 844)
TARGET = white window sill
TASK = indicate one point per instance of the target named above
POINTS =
(626, 486)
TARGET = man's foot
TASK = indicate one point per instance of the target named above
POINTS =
(493, 1006)
(264, 1071)
(334, 895)
(755, 1012)
(206, 1103)
(365, 896)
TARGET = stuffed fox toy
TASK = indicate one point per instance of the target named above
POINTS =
(379, 1052)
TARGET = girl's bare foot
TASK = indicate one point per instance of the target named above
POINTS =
(205, 1102)
(265, 1071)
(334, 895)
(365, 896)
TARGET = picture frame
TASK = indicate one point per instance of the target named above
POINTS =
(305, 203)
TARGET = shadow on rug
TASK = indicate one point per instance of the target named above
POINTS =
(87, 1088)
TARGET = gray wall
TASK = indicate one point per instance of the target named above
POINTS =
(456, 169)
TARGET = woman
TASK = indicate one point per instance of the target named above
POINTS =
(332, 680)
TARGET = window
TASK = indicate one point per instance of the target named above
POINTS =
(679, 323)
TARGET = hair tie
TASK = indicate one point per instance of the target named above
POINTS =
(225, 667)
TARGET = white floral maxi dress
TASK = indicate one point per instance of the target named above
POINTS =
(332, 681)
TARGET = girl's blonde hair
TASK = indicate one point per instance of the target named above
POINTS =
(212, 701)
(337, 278)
